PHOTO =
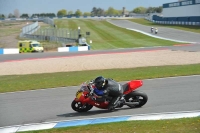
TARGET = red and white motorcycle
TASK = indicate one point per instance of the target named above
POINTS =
(133, 97)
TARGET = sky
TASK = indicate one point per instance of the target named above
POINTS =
(53, 6)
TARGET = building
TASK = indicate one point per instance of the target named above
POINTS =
(183, 11)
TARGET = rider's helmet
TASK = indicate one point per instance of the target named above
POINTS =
(99, 82)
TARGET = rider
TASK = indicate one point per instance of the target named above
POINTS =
(152, 29)
(156, 30)
(109, 88)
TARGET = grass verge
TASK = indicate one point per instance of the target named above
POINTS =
(107, 36)
(189, 125)
(191, 28)
(51, 80)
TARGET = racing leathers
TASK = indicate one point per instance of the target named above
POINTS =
(112, 91)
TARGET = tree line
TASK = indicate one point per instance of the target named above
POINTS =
(95, 12)
(142, 10)
(110, 11)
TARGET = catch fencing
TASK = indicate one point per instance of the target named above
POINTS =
(49, 21)
(52, 34)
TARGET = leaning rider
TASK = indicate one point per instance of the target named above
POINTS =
(109, 88)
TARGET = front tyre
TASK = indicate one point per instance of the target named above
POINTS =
(137, 96)
(79, 107)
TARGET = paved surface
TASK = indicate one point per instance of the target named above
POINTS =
(162, 32)
(165, 95)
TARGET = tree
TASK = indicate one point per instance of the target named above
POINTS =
(2, 16)
(62, 12)
(70, 12)
(52, 15)
(136, 10)
(78, 13)
(35, 15)
(100, 12)
(94, 11)
(11, 15)
(140, 10)
(154, 9)
(112, 11)
(150, 10)
(86, 14)
(16, 13)
(24, 16)
(159, 9)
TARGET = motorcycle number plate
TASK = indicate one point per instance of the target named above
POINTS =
(78, 94)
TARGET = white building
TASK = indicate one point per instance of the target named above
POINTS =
(181, 11)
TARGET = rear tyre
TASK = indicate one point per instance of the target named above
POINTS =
(136, 96)
(79, 107)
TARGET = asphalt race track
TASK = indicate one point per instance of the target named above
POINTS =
(162, 31)
(165, 95)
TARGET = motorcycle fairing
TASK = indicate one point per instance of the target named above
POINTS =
(133, 85)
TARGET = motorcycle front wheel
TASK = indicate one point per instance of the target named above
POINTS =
(79, 107)
(136, 96)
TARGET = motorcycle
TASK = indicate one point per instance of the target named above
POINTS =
(156, 31)
(151, 30)
(84, 100)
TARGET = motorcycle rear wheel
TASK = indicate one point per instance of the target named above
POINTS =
(79, 107)
(137, 96)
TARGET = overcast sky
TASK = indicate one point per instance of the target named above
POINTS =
(53, 6)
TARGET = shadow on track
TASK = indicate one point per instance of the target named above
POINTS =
(92, 112)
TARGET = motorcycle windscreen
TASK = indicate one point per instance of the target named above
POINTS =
(84, 88)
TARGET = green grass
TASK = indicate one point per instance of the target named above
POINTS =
(51, 80)
(8, 28)
(189, 125)
(103, 34)
(107, 36)
(191, 28)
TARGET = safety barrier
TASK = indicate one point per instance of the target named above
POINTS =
(60, 49)
(174, 22)
(9, 51)
(73, 48)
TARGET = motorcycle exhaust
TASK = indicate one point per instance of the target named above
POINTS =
(131, 103)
